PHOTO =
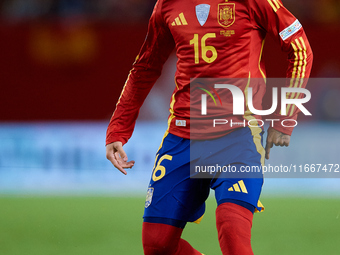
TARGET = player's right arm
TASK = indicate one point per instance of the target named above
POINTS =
(147, 68)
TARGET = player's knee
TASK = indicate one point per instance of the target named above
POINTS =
(227, 210)
(234, 229)
(156, 248)
(160, 239)
(233, 219)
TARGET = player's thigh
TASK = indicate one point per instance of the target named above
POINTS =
(243, 179)
(242, 191)
(172, 195)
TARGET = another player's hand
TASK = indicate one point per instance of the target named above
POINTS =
(118, 157)
(277, 138)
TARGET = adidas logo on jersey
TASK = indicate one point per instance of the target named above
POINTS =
(181, 123)
(180, 20)
(239, 187)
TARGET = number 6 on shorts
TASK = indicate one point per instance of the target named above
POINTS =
(160, 168)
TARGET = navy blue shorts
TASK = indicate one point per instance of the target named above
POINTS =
(185, 171)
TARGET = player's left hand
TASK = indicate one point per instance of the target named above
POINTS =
(277, 138)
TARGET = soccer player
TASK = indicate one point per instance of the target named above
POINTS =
(212, 39)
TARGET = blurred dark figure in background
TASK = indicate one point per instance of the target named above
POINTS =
(121, 11)
(127, 11)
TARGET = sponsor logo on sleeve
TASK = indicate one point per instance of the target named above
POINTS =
(289, 31)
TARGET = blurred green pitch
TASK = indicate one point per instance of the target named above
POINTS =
(112, 225)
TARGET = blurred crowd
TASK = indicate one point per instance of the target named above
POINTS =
(116, 10)
(314, 11)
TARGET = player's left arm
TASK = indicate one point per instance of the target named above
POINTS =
(275, 137)
(285, 28)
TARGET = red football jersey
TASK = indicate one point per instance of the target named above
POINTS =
(213, 39)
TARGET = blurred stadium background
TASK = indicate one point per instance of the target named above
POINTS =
(63, 64)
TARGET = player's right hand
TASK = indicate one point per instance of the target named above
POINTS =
(118, 157)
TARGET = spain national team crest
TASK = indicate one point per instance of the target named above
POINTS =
(226, 14)
(149, 195)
